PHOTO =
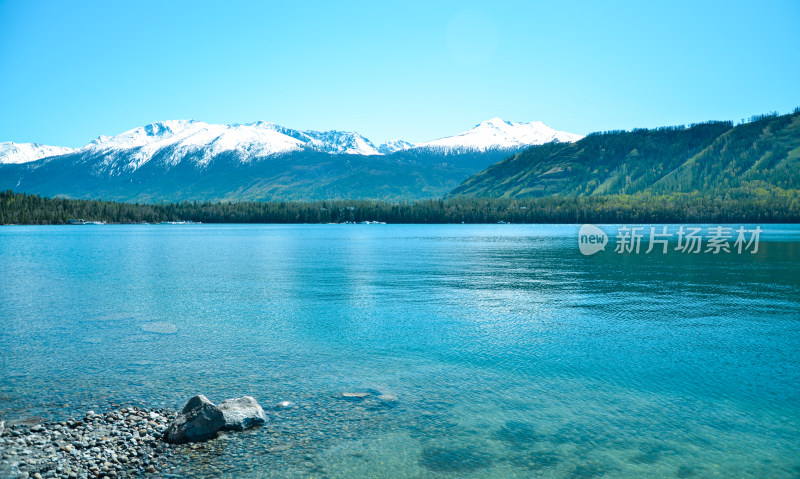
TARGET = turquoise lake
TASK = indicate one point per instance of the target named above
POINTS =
(486, 350)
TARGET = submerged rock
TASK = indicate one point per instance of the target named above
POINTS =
(198, 421)
(518, 434)
(535, 460)
(159, 327)
(354, 395)
(458, 460)
(242, 413)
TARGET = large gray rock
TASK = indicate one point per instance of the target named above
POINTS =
(242, 413)
(198, 421)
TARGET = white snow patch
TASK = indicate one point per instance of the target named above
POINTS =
(173, 141)
(16, 153)
(497, 133)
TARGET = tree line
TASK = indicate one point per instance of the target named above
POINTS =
(775, 207)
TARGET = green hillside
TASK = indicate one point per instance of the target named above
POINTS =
(760, 156)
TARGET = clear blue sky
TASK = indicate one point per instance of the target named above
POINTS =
(70, 71)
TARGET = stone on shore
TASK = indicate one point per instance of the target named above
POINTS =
(2, 427)
(242, 413)
(199, 420)
(118, 444)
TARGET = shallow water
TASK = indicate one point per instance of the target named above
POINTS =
(509, 353)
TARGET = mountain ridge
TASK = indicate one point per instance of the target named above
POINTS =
(496, 132)
(18, 153)
(264, 139)
(178, 160)
(711, 157)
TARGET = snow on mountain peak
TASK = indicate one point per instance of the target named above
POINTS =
(496, 122)
(331, 141)
(11, 152)
(174, 140)
(341, 142)
(497, 133)
(392, 146)
(144, 135)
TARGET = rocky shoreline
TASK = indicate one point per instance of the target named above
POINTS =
(134, 441)
(119, 443)
(126, 442)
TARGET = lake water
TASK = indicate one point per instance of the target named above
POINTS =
(488, 351)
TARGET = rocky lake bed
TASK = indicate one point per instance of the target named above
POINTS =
(118, 443)
(135, 441)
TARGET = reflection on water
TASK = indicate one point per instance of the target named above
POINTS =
(487, 351)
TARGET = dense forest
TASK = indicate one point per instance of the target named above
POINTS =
(20, 208)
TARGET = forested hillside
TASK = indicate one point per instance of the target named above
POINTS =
(759, 157)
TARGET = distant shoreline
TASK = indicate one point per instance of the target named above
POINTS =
(773, 207)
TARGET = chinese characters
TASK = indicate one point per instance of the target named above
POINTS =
(688, 240)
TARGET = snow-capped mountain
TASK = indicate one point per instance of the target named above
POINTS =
(334, 142)
(499, 134)
(180, 160)
(392, 146)
(26, 152)
(174, 141)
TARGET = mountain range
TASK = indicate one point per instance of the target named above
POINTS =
(714, 159)
(192, 160)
